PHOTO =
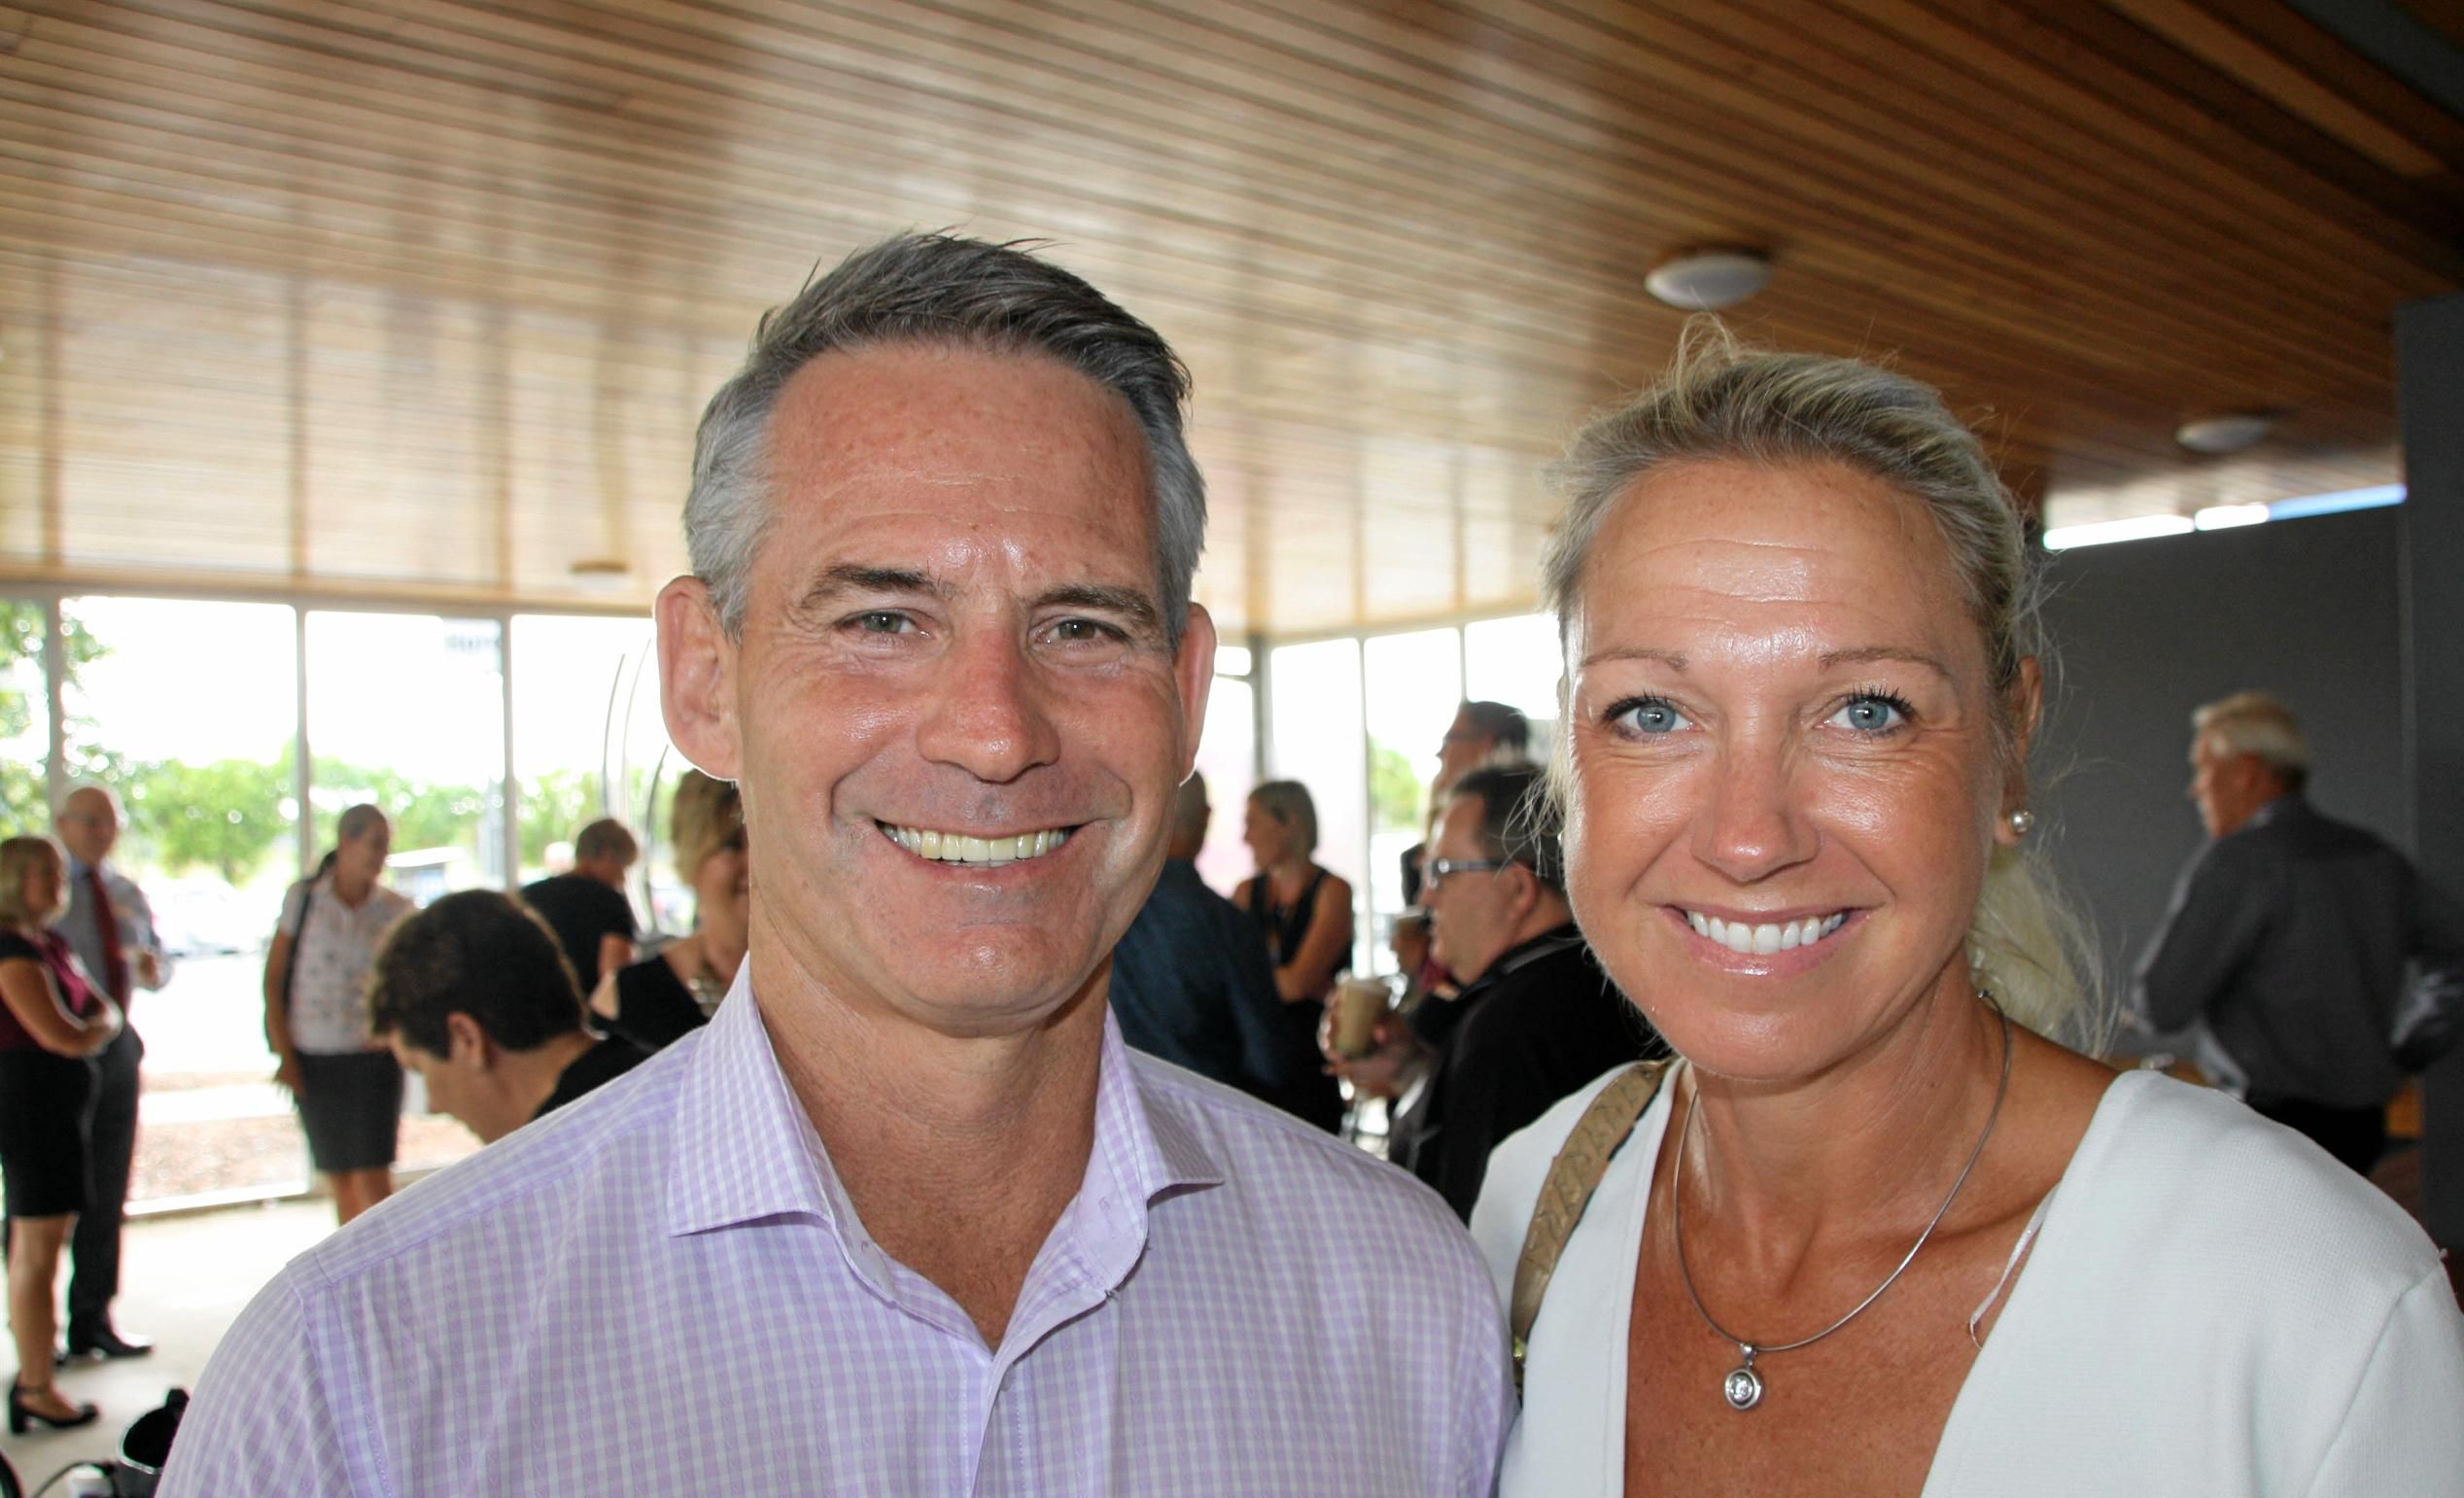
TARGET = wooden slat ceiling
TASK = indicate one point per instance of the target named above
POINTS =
(422, 297)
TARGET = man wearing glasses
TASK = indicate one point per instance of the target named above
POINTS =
(1538, 1018)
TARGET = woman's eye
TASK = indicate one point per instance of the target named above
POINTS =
(1648, 716)
(1871, 714)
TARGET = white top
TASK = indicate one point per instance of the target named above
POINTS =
(329, 984)
(2214, 1306)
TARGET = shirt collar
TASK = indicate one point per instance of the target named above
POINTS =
(1523, 953)
(746, 1151)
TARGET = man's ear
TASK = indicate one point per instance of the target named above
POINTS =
(465, 1043)
(1194, 669)
(697, 678)
(1527, 887)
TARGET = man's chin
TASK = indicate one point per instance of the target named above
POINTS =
(971, 1001)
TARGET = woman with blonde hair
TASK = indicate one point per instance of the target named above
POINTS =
(673, 990)
(51, 1021)
(1875, 1231)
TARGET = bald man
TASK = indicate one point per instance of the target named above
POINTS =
(111, 927)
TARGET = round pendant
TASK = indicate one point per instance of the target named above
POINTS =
(1742, 1388)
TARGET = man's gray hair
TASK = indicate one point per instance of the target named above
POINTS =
(940, 290)
(2256, 724)
(75, 788)
(1507, 725)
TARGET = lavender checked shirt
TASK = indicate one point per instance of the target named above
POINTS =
(663, 1289)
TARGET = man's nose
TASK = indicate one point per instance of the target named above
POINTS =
(990, 714)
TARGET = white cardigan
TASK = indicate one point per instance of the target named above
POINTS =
(2214, 1306)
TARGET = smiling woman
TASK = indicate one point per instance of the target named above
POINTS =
(1874, 1233)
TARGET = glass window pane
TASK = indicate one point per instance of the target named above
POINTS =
(190, 710)
(573, 685)
(1228, 757)
(1317, 741)
(1415, 684)
(407, 710)
(26, 719)
(1516, 662)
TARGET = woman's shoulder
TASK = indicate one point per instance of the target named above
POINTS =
(2186, 1177)
(18, 945)
(1517, 1168)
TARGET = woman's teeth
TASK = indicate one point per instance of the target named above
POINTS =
(958, 848)
(1764, 939)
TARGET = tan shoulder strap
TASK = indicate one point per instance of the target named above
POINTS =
(1573, 1177)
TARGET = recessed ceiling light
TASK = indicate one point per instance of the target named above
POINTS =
(2232, 432)
(1708, 280)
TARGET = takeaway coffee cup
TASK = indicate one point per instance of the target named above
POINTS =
(1359, 1004)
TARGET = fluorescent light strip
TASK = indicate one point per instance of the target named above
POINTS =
(2104, 532)
(2336, 504)
(2224, 517)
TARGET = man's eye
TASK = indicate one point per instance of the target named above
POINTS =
(885, 621)
(1083, 631)
(1647, 716)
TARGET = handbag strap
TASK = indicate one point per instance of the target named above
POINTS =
(1574, 1176)
(299, 938)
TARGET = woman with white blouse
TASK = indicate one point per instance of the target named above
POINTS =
(1874, 1233)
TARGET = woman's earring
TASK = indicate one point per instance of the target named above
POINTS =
(2022, 822)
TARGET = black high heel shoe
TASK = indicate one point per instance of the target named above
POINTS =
(22, 1413)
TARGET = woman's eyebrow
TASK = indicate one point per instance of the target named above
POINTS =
(1867, 654)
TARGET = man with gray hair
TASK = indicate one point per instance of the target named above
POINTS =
(2289, 936)
(906, 1216)
(110, 925)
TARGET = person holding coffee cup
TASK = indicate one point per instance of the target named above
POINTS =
(1536, 1018)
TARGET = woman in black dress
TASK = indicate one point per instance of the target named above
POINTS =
(51, 1021)
(671, 993)
(1304, 911)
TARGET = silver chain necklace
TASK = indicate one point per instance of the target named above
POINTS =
(1743, 1386)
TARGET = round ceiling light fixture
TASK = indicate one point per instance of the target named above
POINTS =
(2232, 432)
(1708, 280)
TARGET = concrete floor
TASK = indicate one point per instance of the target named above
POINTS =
(183, 1280)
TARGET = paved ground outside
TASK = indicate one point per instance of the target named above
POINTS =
(211, 1119)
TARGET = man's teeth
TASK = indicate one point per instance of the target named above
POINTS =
(958, 848)
(1764, 939)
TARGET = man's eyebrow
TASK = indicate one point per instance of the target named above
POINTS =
(1885, 652)
(1130, 603)
(855, 578)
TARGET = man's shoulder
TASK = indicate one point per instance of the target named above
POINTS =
(1563, 978)
(602, 1156)
(1299, 1168)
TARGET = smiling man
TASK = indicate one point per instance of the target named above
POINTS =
(906, 1216)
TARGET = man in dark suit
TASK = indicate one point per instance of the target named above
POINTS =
(1538, 1018)
(2289, 936)
(1192, 983)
